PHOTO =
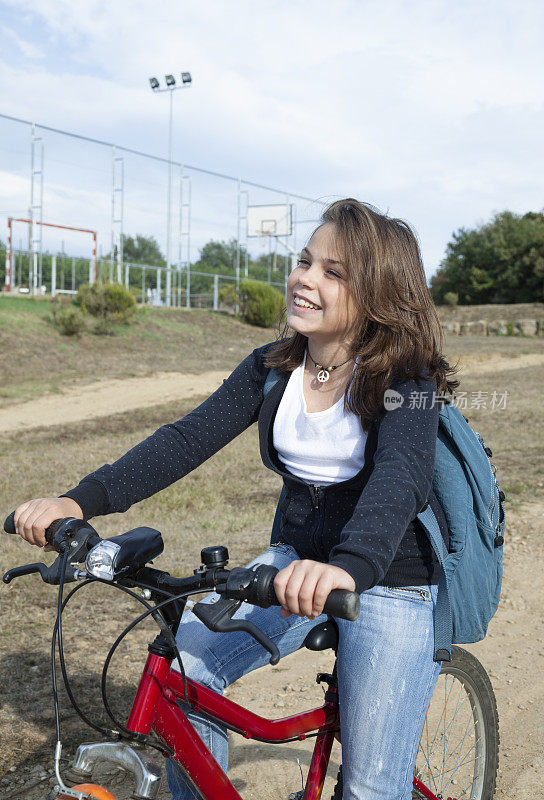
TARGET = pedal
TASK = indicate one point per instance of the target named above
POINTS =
(327, 678)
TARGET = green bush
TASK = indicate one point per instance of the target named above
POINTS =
(227, 296)
(68, 319)
(451, 299)
(260, 304)
(109, 302)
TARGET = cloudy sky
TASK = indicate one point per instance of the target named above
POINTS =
(432, 111)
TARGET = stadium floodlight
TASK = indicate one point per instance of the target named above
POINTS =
(186, 77)
(153, 82)
(170, 80)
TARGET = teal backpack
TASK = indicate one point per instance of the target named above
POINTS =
(473, 503)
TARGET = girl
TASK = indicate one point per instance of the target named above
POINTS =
(351, 427)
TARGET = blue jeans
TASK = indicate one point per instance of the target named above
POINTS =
(386, 676)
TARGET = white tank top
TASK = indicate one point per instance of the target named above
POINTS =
(321, 447)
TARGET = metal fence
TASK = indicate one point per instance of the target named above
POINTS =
(64, 275)
(79, 194)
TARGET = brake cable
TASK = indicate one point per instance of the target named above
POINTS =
(58, 626)
(163, 749)
(169, 635)
(73, 701)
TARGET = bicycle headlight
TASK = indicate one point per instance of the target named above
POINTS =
(100, 561)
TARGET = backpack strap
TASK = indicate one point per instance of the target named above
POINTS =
(271, 380)
(443, 625)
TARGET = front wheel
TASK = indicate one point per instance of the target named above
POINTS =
(458, 753)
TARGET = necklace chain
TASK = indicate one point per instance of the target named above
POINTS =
(324, 372)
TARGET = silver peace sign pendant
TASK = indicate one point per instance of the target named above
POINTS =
(323, 375)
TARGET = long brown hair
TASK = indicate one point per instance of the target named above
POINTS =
(397, 331)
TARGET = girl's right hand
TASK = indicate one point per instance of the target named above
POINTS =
(32, 518)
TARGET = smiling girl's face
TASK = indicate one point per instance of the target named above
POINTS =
(319, 303)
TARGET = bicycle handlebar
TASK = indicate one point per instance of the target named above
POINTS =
(75, 538)
(255, 586)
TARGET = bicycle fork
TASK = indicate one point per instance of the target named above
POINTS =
(146, 772)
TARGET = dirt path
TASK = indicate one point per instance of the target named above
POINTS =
(477, 364)
(115, 396)
(107, 397)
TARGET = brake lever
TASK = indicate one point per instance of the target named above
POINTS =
(73, 534)
(218, 618)
(49, 574)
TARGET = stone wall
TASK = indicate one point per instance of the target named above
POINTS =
(497, 327)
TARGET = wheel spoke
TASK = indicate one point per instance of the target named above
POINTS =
(444, 789)
(449, 732)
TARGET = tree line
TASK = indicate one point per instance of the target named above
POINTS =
(501, 261)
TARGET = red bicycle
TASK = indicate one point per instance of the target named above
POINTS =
(458, 753)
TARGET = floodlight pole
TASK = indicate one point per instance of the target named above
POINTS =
(8, 280)
(171, 87)
(169, 209)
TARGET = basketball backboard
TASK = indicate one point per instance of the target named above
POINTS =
(269, 220)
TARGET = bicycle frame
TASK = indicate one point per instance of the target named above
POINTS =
(155, 709)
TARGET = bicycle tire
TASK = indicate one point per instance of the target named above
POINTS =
(462, 679)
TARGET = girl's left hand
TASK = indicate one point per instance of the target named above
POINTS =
(303, 586)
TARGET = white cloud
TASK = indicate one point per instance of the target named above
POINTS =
(430, 109)
(28, 49)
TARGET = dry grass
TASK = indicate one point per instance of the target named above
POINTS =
(229, 500)
(35, 358)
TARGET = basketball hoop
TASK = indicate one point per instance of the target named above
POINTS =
(265, 232)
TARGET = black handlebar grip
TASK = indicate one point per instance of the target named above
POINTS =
(9, 527)
(265, 594)
(340, 603)
(9, 523)
(343, 604)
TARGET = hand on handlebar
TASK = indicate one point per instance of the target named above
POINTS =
(303, 586)
(32, 518)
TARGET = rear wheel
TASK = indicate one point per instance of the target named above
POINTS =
(458, 753)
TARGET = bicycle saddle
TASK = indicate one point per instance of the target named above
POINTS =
(323, 636)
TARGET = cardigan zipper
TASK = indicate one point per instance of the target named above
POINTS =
(316, 492)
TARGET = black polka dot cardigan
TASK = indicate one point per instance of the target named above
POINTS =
(366, 525)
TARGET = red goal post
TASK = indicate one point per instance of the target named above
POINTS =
(11, 220)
